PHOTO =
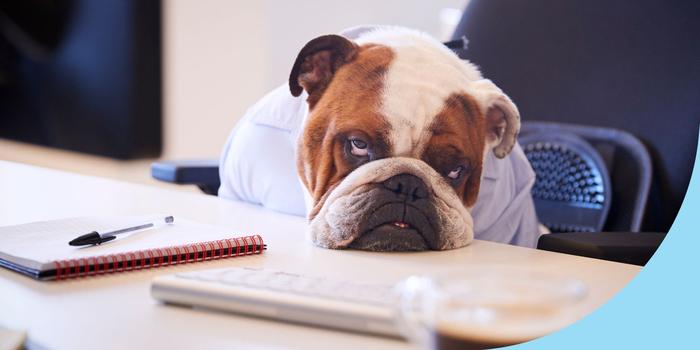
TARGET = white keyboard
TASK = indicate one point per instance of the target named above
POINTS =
(314, 300)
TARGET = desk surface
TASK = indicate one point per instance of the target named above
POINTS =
(117, 311)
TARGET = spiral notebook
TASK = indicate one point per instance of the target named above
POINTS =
(40, 249)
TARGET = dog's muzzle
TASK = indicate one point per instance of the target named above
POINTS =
(392, 204)
(401, 218)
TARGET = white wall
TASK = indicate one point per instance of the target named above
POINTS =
(220, 56)
(212, 68)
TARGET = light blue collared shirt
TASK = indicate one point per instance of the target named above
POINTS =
(258, 166)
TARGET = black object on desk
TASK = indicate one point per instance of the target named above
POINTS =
(626, 247)
(203, 173)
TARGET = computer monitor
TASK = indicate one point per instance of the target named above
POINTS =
(82, 75)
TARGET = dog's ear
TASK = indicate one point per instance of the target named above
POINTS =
(502, 116)
(316, 64)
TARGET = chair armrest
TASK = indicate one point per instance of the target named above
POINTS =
(203, 172)
(626, 247)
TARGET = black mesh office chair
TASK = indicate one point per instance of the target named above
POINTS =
(628, 65)
(624, 64)
(583, 182)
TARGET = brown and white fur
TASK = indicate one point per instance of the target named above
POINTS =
(422, 112)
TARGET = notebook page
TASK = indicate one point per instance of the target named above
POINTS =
(37, 245)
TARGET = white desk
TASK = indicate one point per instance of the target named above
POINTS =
(117, 311)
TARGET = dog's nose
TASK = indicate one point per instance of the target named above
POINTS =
(407, 185)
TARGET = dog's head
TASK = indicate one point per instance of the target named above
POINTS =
(398, 130)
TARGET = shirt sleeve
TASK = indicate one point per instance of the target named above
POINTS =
(257, 164)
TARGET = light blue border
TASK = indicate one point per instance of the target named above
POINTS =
(660, 308)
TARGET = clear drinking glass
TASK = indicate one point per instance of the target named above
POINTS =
(482, 308)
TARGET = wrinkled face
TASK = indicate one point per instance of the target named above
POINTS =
(393, 148)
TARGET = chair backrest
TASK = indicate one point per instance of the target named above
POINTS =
(626, 64)
(588, 178)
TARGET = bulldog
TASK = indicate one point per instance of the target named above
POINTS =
(392, 135)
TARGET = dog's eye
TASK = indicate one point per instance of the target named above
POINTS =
(359, 148)
(455, 173)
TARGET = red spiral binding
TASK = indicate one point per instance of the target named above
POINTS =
(220, 249)
(211, 250)
(132, 260)
(122, 261)
(97, 264)
(105, 265)
(150, 258)
(58, 269)
(81, 263)
(169, 254)
(142, 258)
(93, 263)
(200, 245)
(158, 257)
(177, 251)
(154, 260)
(186, 249)
(229, 246)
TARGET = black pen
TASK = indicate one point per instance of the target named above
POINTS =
(95, 237)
